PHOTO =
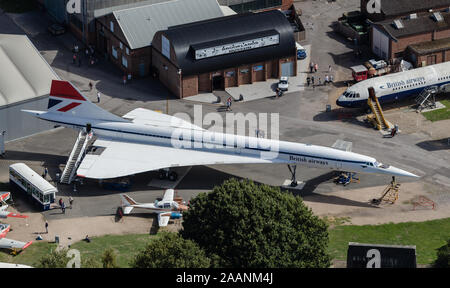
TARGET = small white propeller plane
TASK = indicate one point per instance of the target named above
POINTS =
(166, 208)
(8, 243)
(4, 228)
(4, 196)
(145, 140)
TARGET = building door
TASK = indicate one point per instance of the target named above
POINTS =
(287, 69)
(142, 69)
(431, 59)
(217, 82)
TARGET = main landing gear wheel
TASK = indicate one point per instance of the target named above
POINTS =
(173, 176)
(292, 169)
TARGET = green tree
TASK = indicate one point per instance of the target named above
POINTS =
(56, 259)
(443, 256)
(109, 259)
(249, 225)
(171, 251)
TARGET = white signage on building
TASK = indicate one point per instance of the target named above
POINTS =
(165, 49)
(237, 47)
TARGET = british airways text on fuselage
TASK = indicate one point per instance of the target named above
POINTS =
(397, 86)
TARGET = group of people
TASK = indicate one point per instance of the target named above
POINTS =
(313, 68)
(62, 204)
(89, 53)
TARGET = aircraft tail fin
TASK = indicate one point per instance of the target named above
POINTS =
(65, 99)
(126, 203)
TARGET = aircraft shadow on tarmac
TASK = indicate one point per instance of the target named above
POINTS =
(307, 193)
(435, 145)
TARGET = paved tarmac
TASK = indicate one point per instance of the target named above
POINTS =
(302, 119)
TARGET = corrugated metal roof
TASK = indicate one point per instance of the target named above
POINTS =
(140, 24)
(105, 8)
(24, 74)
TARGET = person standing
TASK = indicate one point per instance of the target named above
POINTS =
(70, 201)
(90, 86)
(45, 172)
(311, 67)
(124, 79)
(98, 96)
(46, 227)
(327, 79)
(63, 207)
(308, 80)
(316, 67)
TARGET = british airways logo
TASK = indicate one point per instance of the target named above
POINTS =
(403, 83)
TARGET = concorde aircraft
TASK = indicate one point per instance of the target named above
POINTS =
(144, 140)
(397, 86)
(166, 208)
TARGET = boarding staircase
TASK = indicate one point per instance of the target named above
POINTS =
(426, 98)
(378, 116)
(389, 194)
(77, 154)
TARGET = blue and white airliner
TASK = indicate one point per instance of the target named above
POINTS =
(398, 86)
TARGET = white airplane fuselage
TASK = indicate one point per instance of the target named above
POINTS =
(397, 86)
(228, 144)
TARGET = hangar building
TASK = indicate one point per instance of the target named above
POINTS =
(25, 79)
(224, 52)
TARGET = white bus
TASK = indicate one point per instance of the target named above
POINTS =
(24, 178)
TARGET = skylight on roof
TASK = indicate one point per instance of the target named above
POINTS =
(438, 17)
(398, 24)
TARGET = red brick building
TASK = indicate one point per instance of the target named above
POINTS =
(394, 9)
(224, 52)
(126, 35)
(390, 39)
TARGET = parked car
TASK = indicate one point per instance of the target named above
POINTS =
(283, 84)
(301, 51)
(56, 29)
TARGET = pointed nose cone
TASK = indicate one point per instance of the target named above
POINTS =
(394, 171)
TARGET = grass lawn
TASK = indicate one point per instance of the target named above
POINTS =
(427, 236)
(17, 6)
(440, 114)
(29, 256)
(125, 247)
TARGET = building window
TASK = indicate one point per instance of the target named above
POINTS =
(121, 45)
(114, 51)
(244, 71)
(127, 50)
(124, 62)
(258, 68)
(111, 26)
(165, 46)
(229, 74)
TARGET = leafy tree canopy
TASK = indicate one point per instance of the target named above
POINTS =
(250, 225)
(170, 250)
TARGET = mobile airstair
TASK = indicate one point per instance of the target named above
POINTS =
(427, 98)
(75, 158)
(389, 194)
(377, 118)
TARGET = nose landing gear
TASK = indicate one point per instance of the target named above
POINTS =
(293, 169)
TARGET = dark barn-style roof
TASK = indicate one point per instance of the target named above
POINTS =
(400, 7)
(186, 39)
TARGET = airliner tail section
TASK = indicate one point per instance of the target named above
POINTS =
(65, 99)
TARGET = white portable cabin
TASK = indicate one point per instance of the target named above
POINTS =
(31, 182)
